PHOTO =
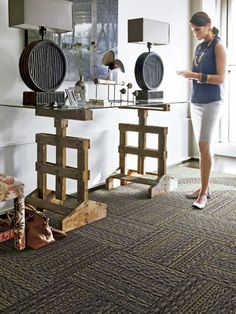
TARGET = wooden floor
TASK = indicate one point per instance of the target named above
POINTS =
(221, 164)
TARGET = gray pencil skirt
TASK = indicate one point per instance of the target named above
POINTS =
(205, 120)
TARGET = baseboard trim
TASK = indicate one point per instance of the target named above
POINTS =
(97, 187)
(226, 149)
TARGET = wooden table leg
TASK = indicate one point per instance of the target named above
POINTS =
(61, 125)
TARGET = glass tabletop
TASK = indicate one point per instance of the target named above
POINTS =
(101, 105)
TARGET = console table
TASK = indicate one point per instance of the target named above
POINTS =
(76, 212)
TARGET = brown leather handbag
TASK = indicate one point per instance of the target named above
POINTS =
(37, 229)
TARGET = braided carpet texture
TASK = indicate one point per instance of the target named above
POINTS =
(148, 256)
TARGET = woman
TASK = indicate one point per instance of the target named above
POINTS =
(208, 76)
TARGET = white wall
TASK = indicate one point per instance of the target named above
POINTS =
(18, 126)
(174, 56)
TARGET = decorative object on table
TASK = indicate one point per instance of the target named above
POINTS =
(40, 98)
(129, 86)
(135, 94)
(70, 95)
(109, 83)
(149, 68)
(98, 102)
(81, 90)
(81, 85)
(93, 21)
(79, 51)
(122, 92)
(112, 63)
(42, 63)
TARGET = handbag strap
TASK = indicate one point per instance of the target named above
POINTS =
(37, 212)
(56, 232)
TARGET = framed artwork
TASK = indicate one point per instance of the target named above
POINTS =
(95, 31)
(70, 93)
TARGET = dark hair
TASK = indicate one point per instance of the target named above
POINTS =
(215, 30)
(202, 19)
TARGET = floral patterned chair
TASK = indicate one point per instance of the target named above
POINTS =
(12, 223)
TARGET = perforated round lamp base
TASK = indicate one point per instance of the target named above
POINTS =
(149, 71)
(42, 66)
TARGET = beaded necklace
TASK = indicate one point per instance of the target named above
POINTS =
(200, 53)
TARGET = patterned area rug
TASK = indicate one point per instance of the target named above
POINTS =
(148, 256)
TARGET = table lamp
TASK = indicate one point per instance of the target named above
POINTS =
(149, 68)
(42, 63)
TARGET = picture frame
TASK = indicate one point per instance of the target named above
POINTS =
(70, 93)
(95, 31)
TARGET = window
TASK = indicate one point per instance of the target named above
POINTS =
(232, 71)
(227, 143)
(232, 32)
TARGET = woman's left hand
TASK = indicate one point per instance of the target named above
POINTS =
(189, 75)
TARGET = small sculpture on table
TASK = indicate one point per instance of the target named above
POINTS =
(80, 90)
(112, 63)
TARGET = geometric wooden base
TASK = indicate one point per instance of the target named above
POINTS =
(85, 213)
(73, 215)
(156, 188)
(74, 211)
(166, 184)
(142, 151)
(130, 177)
